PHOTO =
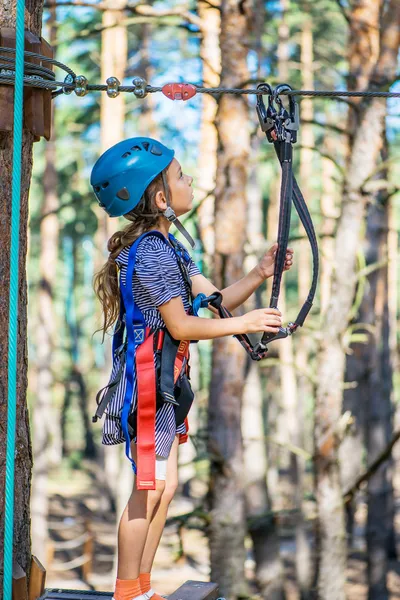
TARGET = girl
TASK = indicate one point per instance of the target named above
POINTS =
(140, 179)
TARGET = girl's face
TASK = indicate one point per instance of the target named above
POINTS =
(180, 186)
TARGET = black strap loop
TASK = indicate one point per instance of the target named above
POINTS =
(280, 127)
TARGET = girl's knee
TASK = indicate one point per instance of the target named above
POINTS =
(170, 489)
(154, 496)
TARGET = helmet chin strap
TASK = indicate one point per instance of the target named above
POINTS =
(169, 214)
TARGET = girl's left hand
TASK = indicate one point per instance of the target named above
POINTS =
(267, 263)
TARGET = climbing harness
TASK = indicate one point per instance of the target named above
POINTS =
(164, 380)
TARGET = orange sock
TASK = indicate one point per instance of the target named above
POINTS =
(145, 586)
(144, 582)
(127, 589)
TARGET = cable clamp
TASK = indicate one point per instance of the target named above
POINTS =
(81, 84)
(113, 87)
(140, 86)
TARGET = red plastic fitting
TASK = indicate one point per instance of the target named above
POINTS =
(179, 91)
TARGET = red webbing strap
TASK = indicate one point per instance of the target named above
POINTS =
(146, 415)
(183, 437)
(183, 352)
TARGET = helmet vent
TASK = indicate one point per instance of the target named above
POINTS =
(105, 185)
(97, 188)
(123, 194)
(136, 148)
(155, 150)
(126, 154)
(146, 146)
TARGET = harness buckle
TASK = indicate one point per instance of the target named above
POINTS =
(139, 334)
(262, 346)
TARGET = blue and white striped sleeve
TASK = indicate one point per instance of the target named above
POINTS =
(193, 269)
(157, 271)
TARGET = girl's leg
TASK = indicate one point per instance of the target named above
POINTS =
(134, 526)
(160, 514)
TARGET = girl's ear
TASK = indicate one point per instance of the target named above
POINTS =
(160, 200)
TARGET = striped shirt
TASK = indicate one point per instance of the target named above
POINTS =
(157, 279)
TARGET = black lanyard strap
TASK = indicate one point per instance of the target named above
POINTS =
(281, 128)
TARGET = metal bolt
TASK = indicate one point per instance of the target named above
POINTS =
(81, 85)
(113, 87)
(140, 87)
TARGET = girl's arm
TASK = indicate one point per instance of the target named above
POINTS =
(186, 327)
(235, 294)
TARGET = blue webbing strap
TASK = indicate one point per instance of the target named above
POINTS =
(135, 334)
(118, 335)
(200, 301)
(135, 329)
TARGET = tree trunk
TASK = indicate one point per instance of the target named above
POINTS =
(228, 528)
(112, 119)
(23, 456)
(44, 417)
(372, 62)
(379, 397)
(263, 527)
(210, 55)
(329, 213)
(303, 392)
(114, 54)
(262, 524)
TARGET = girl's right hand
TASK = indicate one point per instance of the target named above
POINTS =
(263, 319)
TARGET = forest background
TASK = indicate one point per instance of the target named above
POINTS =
(290, 482)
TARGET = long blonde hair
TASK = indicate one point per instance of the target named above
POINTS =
(143, 217)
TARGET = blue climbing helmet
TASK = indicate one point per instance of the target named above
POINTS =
(121, 175)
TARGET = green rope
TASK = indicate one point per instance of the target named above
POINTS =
(13, 304)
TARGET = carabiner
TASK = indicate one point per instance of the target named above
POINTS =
(264, 118)
(290, 119)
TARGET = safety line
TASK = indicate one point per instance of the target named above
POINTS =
(13, 304)
(140, 88)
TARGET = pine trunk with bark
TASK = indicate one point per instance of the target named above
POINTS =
(304, 347)
(210, 54)
(373, 48)
(226, 494)
(43, 416)
(114, 49)
(23, 452)
(378, 384)
(262, 525)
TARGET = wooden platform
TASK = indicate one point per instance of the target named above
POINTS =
(191, 590)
